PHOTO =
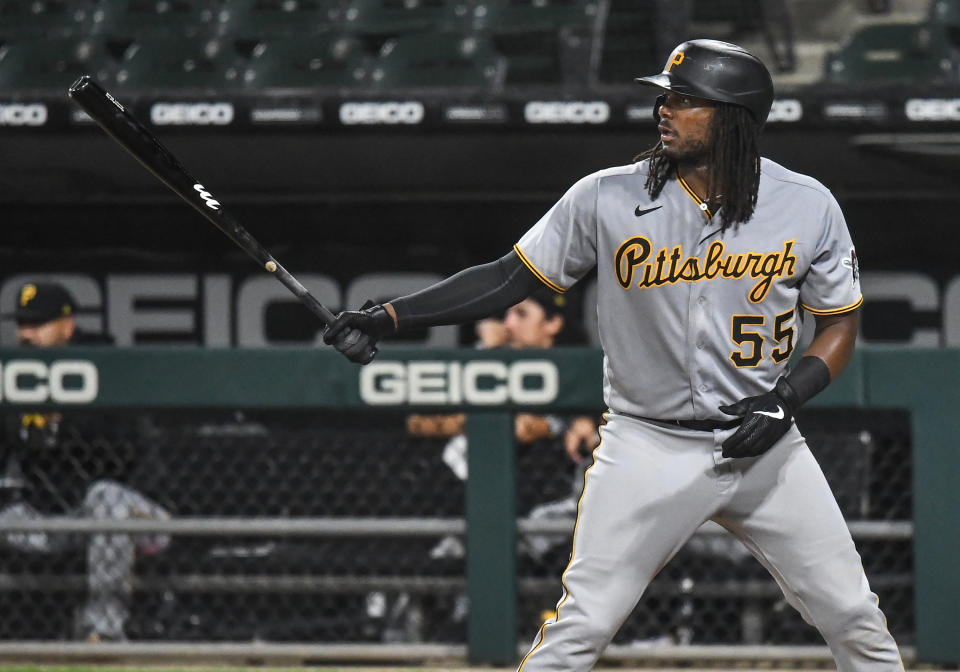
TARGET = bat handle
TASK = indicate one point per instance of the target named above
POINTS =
(318, 309)
(306, 298)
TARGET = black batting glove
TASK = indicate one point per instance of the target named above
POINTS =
(766, 418)
(355, 332)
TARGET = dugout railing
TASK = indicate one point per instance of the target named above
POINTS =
(490, 386)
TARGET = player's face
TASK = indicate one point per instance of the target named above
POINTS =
(50, 334)
(685, 126)
(528, 326)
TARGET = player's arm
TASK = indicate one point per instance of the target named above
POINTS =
(834, 339)
(767, 417)
(471, 294)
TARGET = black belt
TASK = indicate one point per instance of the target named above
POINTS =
(701, 425)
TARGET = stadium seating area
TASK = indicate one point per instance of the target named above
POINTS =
(927, 51)
(279, 44)
(484, 45)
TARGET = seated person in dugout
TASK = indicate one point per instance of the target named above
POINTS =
(539, 321)
(30, 489)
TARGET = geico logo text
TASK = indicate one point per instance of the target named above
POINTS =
(64, 381)
(16, 114)
(410, 112)
(560, 112)
(480, 382)
(788, 109)
(933, 109)
(191, 114)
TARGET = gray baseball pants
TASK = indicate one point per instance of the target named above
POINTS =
(110, 557)
(652, 485)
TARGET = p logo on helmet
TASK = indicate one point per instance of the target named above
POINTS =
(676, 60)
(27, 294)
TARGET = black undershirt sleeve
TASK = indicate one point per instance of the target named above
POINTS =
(471, 294)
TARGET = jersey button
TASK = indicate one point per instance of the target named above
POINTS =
(700, 345)
(703, 388)
(702, 300)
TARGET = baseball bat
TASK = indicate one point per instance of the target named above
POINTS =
(130, 134)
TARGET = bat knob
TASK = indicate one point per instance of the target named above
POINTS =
(369, 355)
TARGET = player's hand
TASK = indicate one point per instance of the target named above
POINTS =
(766, 418)
(528, 427)
(355, 332)
(581, 437)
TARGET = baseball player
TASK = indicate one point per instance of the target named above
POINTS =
(708, 257)
(33, 487)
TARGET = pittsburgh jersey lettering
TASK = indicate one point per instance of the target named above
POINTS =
(669, 266)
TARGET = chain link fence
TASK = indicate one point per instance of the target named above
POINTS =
(225, 584)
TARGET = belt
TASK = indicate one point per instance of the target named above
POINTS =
(700, 425)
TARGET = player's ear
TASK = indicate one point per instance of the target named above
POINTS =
(69, 326)
(555, 325)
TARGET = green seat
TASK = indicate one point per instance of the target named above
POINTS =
(307, 62)
(50, 66)
(265, 19)
(890, 53)
(20, 19)
(179, 63)
(439, 60)
(397, 17)
(545, 41)
(126, 20)
(945, 12)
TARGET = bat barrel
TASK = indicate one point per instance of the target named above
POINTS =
(130, 134)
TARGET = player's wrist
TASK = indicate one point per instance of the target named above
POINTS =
(383, 322)
(810, 376)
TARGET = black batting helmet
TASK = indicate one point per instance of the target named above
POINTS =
(717, 71)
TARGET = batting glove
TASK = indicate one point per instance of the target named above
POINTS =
(766, 418)
(355, 332)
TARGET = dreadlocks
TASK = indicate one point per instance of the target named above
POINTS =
(735, 162)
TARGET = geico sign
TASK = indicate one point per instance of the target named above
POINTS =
(481, 382)
(381, 113)
(933, 109)
(787, 109)
(559, 112)
(15, 114)
(191, 114)
(65, 381)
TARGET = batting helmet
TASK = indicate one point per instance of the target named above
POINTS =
(717, 71)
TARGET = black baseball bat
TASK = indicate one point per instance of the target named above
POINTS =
(123, 127)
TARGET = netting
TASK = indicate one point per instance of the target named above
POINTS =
(313, 464)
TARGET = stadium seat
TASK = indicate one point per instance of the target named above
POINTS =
(313, 61)
(945, 19)
(438, 60)
(42, 18)
(946, 12)
(890, 53)
(544, 41)
(126, 20)
(50, 66)
(265, 19)
(180, 63)
(397, 17)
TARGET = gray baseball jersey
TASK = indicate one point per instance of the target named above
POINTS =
(683, 308)
(691, 318)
